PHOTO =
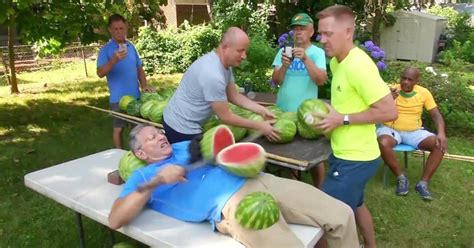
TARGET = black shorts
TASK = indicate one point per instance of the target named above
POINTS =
(117, 122)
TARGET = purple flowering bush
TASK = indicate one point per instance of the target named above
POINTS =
(376, 53)
(286, 39)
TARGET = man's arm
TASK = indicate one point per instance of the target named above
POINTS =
(441, 139)
(221, 109)
(126, 209)
(280, 70)
(143, 82)
(317, 75)
(105, 69)
(383, 110)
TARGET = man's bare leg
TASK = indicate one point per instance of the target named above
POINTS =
(117, 137)
(366, 226)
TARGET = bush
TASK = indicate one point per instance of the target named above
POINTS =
(453, 95)
(173, 50)
(459, 51)
(458, 23)
(255, 71)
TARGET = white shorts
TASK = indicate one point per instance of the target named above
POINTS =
(412, 138)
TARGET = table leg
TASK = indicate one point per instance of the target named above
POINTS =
(112, 237)
(80, 229)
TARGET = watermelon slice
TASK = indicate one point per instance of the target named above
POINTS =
(242, 159)
(214, 140)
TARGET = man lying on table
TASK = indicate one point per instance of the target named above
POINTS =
(210, 193)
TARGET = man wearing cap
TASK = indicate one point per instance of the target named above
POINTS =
(300, 74)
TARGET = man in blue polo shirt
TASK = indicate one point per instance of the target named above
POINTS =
(212, 194)
(119, 61)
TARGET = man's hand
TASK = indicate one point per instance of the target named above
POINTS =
(299, 52)
(266, 114)
(268, 130)
(395, 92)
(285, 61)
(442, 142)
(331, 120)
(148, 89)
(169, 174)
(120, 54)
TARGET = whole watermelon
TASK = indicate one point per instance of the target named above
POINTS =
(286, 129)
(308, 109)
(239, 132)
(148, 96)
(254, 117)
(146, 108)
(244, 113)
(289, 116)
(156, 113)
(133, 108)
(275, 110)
(306, 132)
(128, 164)
(257, 210)
(210, 123)
(124, 101)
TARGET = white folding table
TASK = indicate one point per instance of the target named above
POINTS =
(82, 186)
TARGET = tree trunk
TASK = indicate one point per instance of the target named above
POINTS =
(11, 50)
(377, 22)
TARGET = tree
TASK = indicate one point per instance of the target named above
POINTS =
(39, 20)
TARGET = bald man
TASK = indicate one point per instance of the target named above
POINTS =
(207, 87)
(407, 129)
(359, 98)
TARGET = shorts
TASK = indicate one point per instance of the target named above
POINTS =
(411, 138)
(117, 122)
(346, 180)
(174, 136)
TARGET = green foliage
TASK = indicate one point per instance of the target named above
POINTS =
(460, 51)
(173, 50)
(459, 27)
(48, 47)
(255, 71)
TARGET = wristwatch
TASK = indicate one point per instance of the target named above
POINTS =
(346, 120)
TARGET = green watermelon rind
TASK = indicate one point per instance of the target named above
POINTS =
(286, 129)
(258, 210)
(124, 101)
(125, 163)
(207, 141)
(133, 108)
(305, 110)
(250, 170)
(156, 113)
(306, 132)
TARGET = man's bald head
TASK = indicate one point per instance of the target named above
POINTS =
(233, 36)
(409, 79)
(415, 72)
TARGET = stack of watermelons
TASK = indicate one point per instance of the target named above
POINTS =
(150, 106)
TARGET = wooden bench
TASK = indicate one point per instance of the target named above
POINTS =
(82, 186)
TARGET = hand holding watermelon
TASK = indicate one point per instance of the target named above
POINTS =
(330, 121)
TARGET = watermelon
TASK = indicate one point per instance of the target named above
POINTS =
(214, 140)
(275, 110)
(289, 116)
(238, 132)
(306, 132)
(308, 109)
(254, 117)
(156, 113)
(129, 163)
(148, 96)
(123, 245)
(257, 210)
(133, 108)
(244, 113)
(124, 101)
(242, 159)
(210, 123)
(146, 108)
(167, 93)
(286, 129)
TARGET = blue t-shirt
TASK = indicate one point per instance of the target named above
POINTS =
(297, 85)
(123, 78)
(199, 199)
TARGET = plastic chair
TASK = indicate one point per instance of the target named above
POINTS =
(405, 149)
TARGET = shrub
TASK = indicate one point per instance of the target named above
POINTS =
(173, 50)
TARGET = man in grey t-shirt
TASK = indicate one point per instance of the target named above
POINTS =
(208, 86)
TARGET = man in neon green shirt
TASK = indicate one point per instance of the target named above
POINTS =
(300, 75)
(359, 98)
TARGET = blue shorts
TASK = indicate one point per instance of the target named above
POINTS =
(412, 138)
(346, 180)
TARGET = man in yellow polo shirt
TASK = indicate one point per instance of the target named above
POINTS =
(407, 129)
(359, 98)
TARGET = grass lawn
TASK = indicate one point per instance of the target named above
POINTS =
(47, 125)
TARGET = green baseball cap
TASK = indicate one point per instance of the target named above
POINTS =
(301, 19)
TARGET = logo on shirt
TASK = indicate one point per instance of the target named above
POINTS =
(297, 65)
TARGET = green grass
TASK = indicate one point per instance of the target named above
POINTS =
(45, 126)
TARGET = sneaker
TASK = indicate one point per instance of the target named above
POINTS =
(424, 193)
(402, 187)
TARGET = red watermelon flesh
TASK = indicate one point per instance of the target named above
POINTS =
(243, 159)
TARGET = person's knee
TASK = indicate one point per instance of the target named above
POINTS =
(118, 130)
(386, 142)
